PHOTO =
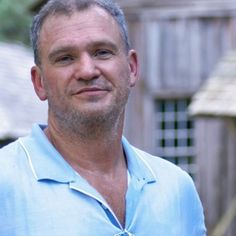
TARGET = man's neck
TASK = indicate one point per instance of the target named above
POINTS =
(102, 152)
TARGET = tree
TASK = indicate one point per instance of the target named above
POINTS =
(15, 20)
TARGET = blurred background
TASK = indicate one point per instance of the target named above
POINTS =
(184, 106)
(19, 106)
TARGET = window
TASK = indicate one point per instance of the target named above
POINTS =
(174, 133)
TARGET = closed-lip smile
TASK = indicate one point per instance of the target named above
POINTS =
(92, 90)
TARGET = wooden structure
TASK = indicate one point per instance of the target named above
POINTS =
(214, 109)
(19, 106)
(179, 47)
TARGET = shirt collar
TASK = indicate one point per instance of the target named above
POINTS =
(45, 161)
(137, 166)
(48, 164)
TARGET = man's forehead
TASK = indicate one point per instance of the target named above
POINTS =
(94, 18)
(95, 10)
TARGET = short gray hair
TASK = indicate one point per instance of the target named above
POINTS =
(68, 7)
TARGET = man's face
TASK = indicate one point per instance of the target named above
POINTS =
(85, 71)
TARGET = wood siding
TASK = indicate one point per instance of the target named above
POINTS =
(182, 50)
(178, 49)
(215, 145)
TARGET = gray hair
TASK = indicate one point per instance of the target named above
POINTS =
(68, 7)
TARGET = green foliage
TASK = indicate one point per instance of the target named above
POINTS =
(15, 20)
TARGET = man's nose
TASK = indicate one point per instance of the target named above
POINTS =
(86, 68)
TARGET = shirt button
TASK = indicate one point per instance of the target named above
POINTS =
(124, 233)
(127, 234)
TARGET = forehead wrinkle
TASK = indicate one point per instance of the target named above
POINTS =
(73, 28)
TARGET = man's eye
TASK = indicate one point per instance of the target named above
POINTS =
(103, 53)
(64, 59)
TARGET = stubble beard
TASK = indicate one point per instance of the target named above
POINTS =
(87, 125)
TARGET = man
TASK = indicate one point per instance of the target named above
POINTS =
(78, 175)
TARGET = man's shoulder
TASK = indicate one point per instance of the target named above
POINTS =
(10, 149)
(170, 177)
(10, 156)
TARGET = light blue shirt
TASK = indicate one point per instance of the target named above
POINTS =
(41, 195)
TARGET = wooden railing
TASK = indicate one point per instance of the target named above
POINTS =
(226, 220)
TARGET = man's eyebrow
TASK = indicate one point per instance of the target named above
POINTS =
(92, 45)
(60, 50)
(105, 43)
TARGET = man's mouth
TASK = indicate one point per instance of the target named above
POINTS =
(92, 89)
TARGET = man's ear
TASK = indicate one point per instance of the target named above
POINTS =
(133, 65)
(37, 80)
